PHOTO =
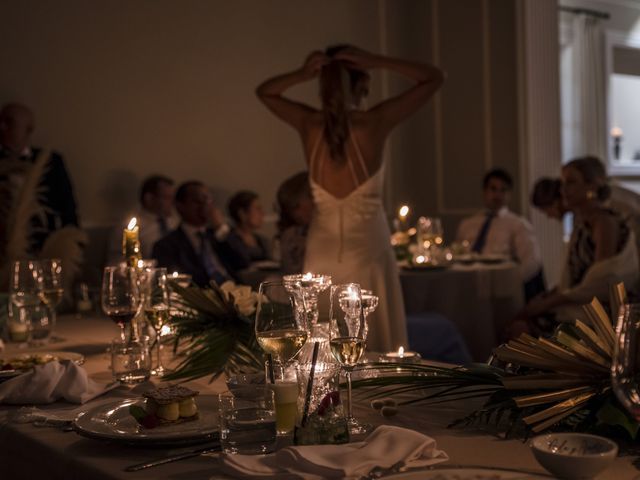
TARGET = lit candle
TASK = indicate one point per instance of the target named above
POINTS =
(131, 243)
(403, 212)
(616, 132)
(401, 356)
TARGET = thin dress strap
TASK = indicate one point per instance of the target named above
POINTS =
(359, 155)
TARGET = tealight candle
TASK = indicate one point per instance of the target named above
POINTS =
(131, 243)
(401, 356)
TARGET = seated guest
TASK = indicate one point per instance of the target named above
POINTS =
(17, 123)
(497, 230)
(192, 247)
(601, 250)
(296, 208)
(156, 216)
(246, 212)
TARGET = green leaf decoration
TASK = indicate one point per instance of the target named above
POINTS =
(216, 338)
(610, 414)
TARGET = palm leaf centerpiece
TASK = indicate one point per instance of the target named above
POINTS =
(560, 382)
(217, 338)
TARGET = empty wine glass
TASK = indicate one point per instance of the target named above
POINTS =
(429, 233)
(52, 288)
(120, 295)
(26, 283)
(625, 370)
(369, 305)
(280, 332)
(156, 308)
(348, 335)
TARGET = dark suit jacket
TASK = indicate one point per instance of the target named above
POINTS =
(176, 253)
(58, 200)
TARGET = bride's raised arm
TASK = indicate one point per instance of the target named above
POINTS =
(271, 90)
(394, 110)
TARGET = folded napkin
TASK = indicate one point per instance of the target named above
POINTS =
(385, 446)
(50, 382)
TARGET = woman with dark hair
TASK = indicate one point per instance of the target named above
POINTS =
(547, 197)
(246, 212)
(295, 206)
(602, 248)
(349, 235)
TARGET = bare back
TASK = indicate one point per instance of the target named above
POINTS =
(363, 151)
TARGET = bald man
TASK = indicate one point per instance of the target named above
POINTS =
(17, 124)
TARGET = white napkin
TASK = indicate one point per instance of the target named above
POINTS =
(385, 446)
(50, 382)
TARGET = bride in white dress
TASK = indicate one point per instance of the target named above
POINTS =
(349, 234)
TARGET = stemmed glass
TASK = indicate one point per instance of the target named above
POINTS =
(26, 283)
(625, 370)
(369, 305)
(156, 308)
(120, 295)
(280, 332)
(348, 334)
(52, 287)
(429, 233)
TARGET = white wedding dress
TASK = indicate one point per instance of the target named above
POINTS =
(349, 239)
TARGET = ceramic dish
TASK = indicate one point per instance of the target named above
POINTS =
(14, 365)
(113, 422)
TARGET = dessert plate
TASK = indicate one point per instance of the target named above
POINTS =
(113, 422)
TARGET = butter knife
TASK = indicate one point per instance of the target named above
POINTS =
(173, 458)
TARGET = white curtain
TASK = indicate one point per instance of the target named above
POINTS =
(589, 132)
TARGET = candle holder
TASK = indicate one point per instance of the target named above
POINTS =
(131, 244)
(401, 356)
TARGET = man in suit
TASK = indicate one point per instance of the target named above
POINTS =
(193, 247)
(17, 124)
(497, 230)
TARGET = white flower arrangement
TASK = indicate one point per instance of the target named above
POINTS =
(244, 299)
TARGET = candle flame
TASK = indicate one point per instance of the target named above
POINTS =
(174, 274)
(132, 223)
(401, 352)
(616, 132)
(420, 259)
(307, 276)
(140, 264)
(404, 211)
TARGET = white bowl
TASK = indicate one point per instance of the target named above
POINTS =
(574, 455)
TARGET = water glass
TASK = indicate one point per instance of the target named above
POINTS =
(26, 283)
(130, 361)
(42, 323)
(248, 420)
(18, 325)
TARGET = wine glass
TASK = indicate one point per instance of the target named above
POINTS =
(156, 308)
(429, 233)
(120, 295)
(625, 370)
(369, 305)
(26, 283)
(52, 287)
(347, 337)
(280, 332)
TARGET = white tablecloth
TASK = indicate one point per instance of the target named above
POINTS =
(478, 298)
(29, 452)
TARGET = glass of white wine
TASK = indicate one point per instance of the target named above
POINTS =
(280, 332)
(52, 288)
(348, 335)
(156, 308)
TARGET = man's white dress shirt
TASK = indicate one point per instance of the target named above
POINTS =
(509, 234)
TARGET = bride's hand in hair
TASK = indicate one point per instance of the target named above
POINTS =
(314, 63)
(357, 58)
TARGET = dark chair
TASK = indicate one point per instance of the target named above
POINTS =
(436, 338)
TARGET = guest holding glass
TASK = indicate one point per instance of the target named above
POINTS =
(343, 143)
(497, 230)
(602, 251)
(246, 211)
(295, 205)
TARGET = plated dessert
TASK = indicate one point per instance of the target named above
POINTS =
(166, 405)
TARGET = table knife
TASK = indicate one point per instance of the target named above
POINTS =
(173, 458)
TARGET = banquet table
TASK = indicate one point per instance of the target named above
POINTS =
(479, 299)
(28, 452)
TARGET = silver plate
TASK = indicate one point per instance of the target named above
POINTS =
(113, 422)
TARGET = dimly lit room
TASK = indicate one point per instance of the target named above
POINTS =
(320, 239)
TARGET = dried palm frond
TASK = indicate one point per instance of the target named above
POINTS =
(546, 382)
(219, 339)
